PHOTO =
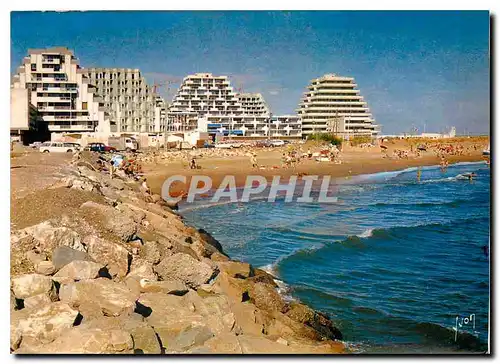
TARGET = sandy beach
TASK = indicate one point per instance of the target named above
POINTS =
(355, 161)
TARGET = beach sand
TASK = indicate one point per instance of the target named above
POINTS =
(355, 161)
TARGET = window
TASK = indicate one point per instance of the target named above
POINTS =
(84, 106)
(33, 67)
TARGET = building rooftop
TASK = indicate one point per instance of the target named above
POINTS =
(53, 50)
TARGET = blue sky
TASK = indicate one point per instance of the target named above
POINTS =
(413, 68)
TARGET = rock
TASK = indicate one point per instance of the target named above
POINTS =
(109, 193)
(184, 268)
(282, 341)
(175, 287)
(80, 269)
(169, 315)
(113, 298)
(45, 323)
(236, 269)
(120, 340)
(155, 198)
(64, 255)
(115, 256)
(50, 237)
(140, 268)
(45, 267)
(190, 337)
(219, 257)
(116, 183)
(80, 340)
(261, 345)
(118, 223)
(145, 340)
(209, 239)
(80, 184)
(35, 257)
(151, 252)
(37, 300)
(28, 285)
(266, 298)
(319, 322)
(226, 343)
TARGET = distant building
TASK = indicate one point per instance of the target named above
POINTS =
(208, 103)
(253, 104)
(58, 92)
(333, 104)
(132, 104)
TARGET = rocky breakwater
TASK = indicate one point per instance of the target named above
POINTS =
(128, 276)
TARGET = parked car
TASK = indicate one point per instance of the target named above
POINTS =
(123, 143)
(263, 143)
(57, 147)
(35, 145)
(224, 145)
(277, 143)
(208, 145)
(100, 147)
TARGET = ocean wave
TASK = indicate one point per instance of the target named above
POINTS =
(361, 241)
(366, 234)
(452, 203)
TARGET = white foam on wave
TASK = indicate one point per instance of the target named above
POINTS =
(366, 234)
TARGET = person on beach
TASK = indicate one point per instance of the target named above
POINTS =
(253, 160)
(192, 163)
(419, 173)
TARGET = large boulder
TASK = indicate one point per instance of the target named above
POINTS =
(145, 340)
(44, 323)
(80, 340)
(265, 297)
(236, 269)
(186, 269)
(169, 315)
(318, 321)
(140, 268)
(116, 222)
(190, 337)
(170, 287)
(115, 256)
(151, 251)
(64, 255)
(28, 285)
(113, 298)
(226, 343)
(80, 269)
(47, 236)
(37, 300)
(45, 267)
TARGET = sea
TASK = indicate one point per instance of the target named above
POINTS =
(400, 263)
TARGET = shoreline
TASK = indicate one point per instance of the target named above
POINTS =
(284, 288)
(157, 175)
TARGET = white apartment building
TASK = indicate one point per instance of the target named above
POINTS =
(132, 104)
(208, 103)
(60, 91)
(253, 104)
(333, 104)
